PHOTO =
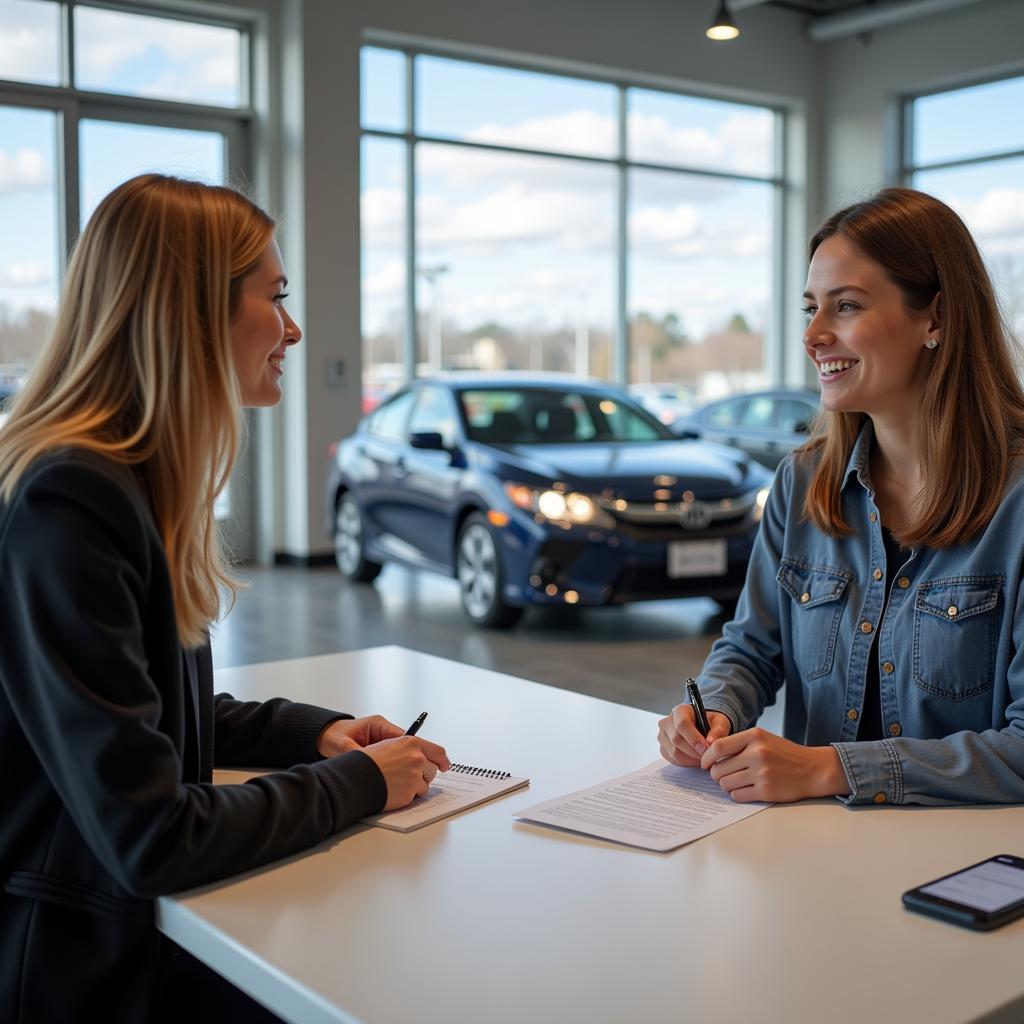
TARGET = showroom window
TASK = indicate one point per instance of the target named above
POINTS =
(90, 96)
(966, 146)
(519, 219)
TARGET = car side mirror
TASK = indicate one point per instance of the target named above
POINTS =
(803, 427)
(688, 434)
(430, 440)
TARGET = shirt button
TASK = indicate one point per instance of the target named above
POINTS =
(879, 798)
(866, 627)
(852, 714)
(873, 517)
(888, 668)
(877, 574)
(903, 582)
(952, 610)
(804, 598)
(894, 729)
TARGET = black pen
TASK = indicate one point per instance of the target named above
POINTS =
(698, 707)
(415, 727)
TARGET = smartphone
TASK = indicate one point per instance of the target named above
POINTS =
(984, 896)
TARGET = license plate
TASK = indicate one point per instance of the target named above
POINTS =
(697, 558)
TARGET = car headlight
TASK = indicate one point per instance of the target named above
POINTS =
(558, 506)
(760, 500)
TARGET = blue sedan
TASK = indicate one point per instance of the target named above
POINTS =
(541, 490)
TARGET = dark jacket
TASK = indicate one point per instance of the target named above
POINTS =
(109, 731)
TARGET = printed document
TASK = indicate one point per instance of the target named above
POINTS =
(658, 808)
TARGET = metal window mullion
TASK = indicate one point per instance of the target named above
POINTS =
(547, 154)
(620, 369)
(409, 337)
(69, 180)
(774, 359)
(67, 42)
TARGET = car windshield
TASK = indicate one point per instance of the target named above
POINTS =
(551, 416)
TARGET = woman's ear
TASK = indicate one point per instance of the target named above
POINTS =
(935, 313)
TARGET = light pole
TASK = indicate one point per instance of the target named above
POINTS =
(432, 275)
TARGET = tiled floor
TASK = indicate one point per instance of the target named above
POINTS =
(637, 655)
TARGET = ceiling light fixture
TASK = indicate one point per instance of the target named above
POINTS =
(722, 27)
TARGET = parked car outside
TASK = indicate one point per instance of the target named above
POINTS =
(667, 401)
(767, 425)
(540, 489)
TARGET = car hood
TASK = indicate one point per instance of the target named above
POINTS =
(629, 469)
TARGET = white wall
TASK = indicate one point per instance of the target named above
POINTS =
(863, 81)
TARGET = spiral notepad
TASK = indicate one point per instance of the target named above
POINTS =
(462, 786)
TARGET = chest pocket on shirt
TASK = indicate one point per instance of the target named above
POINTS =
(955, 635)
(818, 593)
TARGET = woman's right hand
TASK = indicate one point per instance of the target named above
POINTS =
(680, 740)
(408, 765)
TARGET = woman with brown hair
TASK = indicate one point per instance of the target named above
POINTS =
(885, 588)
(171, 320)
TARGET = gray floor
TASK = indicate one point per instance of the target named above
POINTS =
(636, 655)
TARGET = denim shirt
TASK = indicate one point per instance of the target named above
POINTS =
(951, 668)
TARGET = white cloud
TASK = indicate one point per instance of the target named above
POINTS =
(29, 42)
(24, 170)
(653, 224)
(205, 59)
(997, 214)
(516, 213)
(24, 275)
(383, 210)
(387, 281)
(740, 143)
(579, 131)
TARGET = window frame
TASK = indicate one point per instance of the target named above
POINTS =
(72, 105)
(907, 165)
(410, 137)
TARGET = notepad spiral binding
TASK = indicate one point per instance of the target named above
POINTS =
(483, 773)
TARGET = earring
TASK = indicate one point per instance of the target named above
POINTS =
(932, 343)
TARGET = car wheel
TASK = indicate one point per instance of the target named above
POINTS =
(348, 543)
(478, 568)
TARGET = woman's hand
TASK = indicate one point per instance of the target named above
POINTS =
(680, 740)
(758, 765)
(408, 765)
(347, 734)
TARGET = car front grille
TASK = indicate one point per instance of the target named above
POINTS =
(692, 517)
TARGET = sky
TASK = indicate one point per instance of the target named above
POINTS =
(524, 240)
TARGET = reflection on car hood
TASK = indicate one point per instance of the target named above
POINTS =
(628, 469)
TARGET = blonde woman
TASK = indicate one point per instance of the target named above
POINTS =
(171, 320)
(886, 587)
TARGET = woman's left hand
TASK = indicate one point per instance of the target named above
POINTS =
(758, 765)
(347, 734)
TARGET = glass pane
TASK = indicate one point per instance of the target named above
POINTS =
(505, 107)
(382, 89)
(30, 41)
(138, 55)
(29, 261)
(516, 261)
(112, 151)
(383, 268)
(974, 121)
(688, 131)
(699, 281)
(990, 198)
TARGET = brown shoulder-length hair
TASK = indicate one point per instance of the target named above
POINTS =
(971, 416)
(138, 365)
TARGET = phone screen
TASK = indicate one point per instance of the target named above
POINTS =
(988, 887)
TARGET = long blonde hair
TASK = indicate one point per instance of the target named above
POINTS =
(138, 365)
(971, 413)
